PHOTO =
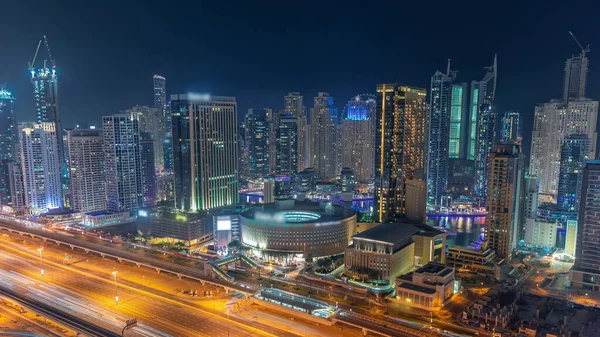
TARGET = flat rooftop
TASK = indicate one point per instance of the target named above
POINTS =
(388, 232)
(434, 268)
(415, 287)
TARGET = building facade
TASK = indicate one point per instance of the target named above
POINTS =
(511, 126)
(542, 234)
(9, 139)
(287, 145)
(429, 287)
(358, 137)
(41, 166)
(152, 122)
(324, 123)
(206, 154)
(400, 147)
(257, 133)
(147, 162)
(575, 152)
(294, 105)
(122, 160)
(575, 78)
(86, 170)
(503, 204)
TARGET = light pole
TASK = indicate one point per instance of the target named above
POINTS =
(41, 261)
(114, 273)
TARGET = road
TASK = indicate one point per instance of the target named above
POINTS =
(92, 299)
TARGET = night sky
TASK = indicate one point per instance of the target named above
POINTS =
(107, 52)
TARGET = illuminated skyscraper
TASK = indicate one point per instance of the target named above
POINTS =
(8, 129)
(121, 138)
(41, 166)
(257, 133)
(483, 127)
(152, 122)
(511, 127)
(294, 105)
(86, 169)
(206, 154)
(160, 92)
(287, 145)
(504, 188)
(438, 123)
(575, 79)
(324, 145)
(165, 149)
(358, 137)
(147, 168)
(575, 152)
(400, 147)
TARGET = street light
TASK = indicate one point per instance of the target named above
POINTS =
(41, 260)
(116, 293)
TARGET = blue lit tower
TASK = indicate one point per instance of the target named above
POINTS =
(358, 137)
(511, 126)
(483, 127)
(574, 153)
(8, 127)
(438, 123)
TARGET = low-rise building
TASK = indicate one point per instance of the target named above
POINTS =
(172, 225)
(106, 218)
(430, 245)
(480, 261)
(429, 287)
(541, 233)
(383, 252)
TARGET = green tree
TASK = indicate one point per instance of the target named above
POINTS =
(234, 246)
(309, 258)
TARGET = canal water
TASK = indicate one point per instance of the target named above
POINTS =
(468, 229)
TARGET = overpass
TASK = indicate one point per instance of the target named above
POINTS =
(216, 265)
(111, 250)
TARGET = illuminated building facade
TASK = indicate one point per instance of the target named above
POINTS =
(123, 167)
(585, 273)
(86, 169)
(206, 154)
(294, 105)
(483, 128)
(147, 166)
(258, 126)
(8, 128)
(503, 204)
(160, 103)
(438, 124)
(41, 166)
(575, 78)
(400, 146)
(324, 145)
(152, 122)
(511, 127)
(575, 152)
(458, 133)
(358, 137)
(287, 144)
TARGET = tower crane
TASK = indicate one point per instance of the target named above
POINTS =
(37, 50)
(583, 50)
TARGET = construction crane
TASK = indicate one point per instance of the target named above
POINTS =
(37, 50)
(583, 50)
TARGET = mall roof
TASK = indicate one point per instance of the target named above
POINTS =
(388, 232)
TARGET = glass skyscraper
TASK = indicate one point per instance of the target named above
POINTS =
(511, 126)
(358, 137)
(324, 143)
(287, 144)
(257, 123)
(575, 152)
(8, 127)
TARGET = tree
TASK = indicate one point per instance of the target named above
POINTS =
(234, 246)
(309, 258)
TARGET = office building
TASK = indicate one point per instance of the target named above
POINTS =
(86, 170)
(571, 238)
(257, 133)
(585, 273)
(529, 214)
(205, 153)
(122, 162)
(504, 189)
(160, 92)
(282, 189)
(347, 180)
(429, 287)
(161, 104)
(41, 166)
(459, 122)
(269, 190)
(383, 252)
(324, 124)
(479, 260)
(5, 182)
(307, 180)
(17, 187)
(542, 234)
(400, 147)
(511, 127)
(152, 122)
(294, 105)
(147, 167)
(430, 245)
(575, 152)
(286, 145)
(192, 229)
(416, 200)
(575, 78)
(9, 141)
(358, 137)
(483, 128)
(438, 124)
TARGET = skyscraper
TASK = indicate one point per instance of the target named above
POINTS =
(483, 127)
(86, 169)
(121, 144)
(575, 80)
(459, 122)
(147, 167)
(358, 137)
(504, 179)
(324, 125)
(586, 270)
(213, 157)
(575, 152)
(160, 92)
(17, 188)
(8, 128)
(257, 133)
(152, 122)
(294, 105)
(287, 145)
(511, 126)
(400, 147)
(438, 124)
(160, 103)
(553, 122)
(41, 166)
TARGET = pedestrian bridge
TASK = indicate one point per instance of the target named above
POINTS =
(216, 265)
